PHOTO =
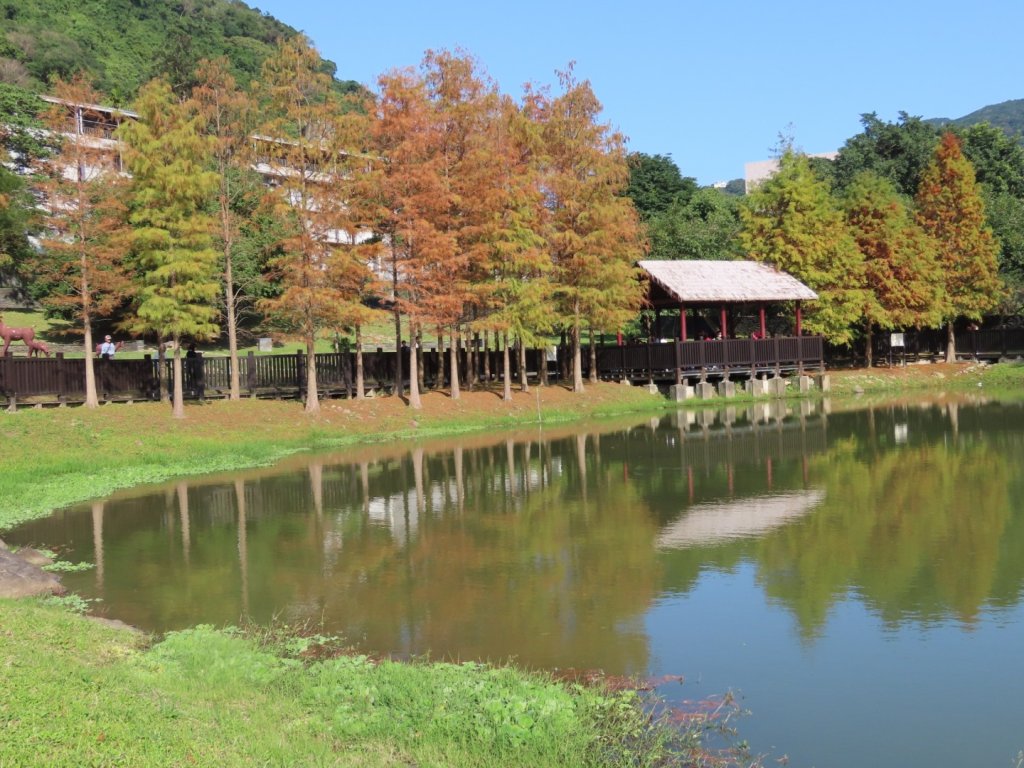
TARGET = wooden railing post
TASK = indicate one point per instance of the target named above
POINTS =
(61, 384)
(679, 362)
(250, 373)
(650, 362)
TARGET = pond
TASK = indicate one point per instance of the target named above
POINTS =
(855, 577)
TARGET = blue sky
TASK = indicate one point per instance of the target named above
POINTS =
(711, 83)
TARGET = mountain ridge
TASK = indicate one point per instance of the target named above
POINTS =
(1007, 115)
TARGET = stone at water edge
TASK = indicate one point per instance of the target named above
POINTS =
(19, 578)
(34, 557)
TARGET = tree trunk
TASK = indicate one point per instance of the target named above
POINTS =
(543, 378)
(178, 402)
(455, 366)
(471, 365)
(950, 343)
(577, 362)
(360, 385)
(524, 384)
(869, 352)
(92, 399)
(593, 358)
(487, 363)
(506, 373)
(234, 385)
(399, 383)
(312, 397)
(414, 379)
(418, 351)
(161, 359)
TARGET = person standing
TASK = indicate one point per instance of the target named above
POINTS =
(107, 349)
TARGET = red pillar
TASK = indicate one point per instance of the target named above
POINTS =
(764, 324)
(725, 331)
(799, 320)
(618, 336)
(682, 322)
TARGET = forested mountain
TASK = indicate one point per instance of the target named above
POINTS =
(124, 43)
(1009, 115)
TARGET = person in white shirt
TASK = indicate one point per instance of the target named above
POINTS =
(107, 349)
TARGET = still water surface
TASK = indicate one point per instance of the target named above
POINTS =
(856, 577)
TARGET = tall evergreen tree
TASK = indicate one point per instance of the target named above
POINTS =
(707, 226)
(902, 278)
(655, 184)
(168, 155)
(950, 209)
(897, 151)
(791, 222)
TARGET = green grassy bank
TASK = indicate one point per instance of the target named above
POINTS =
(80, 693)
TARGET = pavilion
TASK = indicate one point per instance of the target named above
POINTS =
(685, 285)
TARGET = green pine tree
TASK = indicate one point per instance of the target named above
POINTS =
(169, 158)
(791, 222)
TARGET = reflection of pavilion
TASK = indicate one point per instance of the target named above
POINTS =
(715, 522)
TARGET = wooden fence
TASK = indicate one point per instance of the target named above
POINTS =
(58, 379)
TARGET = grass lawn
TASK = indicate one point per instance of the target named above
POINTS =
(78, 693)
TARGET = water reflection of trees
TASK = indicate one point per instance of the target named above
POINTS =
(527, 549)
(920, 518)
(545, 550)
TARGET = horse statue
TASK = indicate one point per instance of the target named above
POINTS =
(8, 334)
(37, 347)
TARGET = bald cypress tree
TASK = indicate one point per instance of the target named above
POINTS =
(951, 210)
(791, 222)
(902, 278)
(169, 156)
(593, 232)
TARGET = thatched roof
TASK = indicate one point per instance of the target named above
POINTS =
(698, 282)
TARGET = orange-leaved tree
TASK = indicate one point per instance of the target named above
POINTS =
(902, 278)
(466, 109)
(951, 210)
(513, 283)
(300, 147)
(410, 200)
(86, 222)
(593, 233)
